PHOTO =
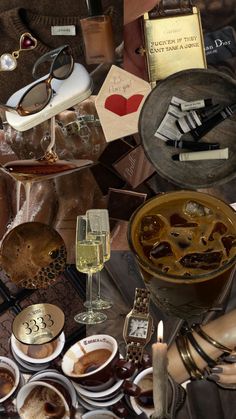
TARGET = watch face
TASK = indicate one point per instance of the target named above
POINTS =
(138, 328)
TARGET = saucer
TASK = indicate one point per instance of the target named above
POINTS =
(84, 404)
(99, 394)
(96, 403)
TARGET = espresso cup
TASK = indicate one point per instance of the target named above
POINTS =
(54, 377)
(41, 398)
(144, 402)
(38, 354)
(94, 363)
(9, 378)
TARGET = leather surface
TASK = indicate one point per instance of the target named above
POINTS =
(171, 8)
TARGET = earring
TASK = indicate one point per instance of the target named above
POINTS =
(8, 61)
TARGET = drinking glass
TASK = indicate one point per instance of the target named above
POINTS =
(89, 259)
(99, 228)
(183, 242)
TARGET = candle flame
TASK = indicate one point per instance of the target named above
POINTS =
(160, 330)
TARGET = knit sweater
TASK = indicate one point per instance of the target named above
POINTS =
(15, 22)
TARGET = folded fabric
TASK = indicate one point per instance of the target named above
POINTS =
(203, 400)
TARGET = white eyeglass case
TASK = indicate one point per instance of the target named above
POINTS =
(76, 88)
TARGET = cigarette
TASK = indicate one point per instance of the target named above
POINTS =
(203, 155)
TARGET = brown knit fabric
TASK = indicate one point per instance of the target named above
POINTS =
(52, 8)
(15, 22)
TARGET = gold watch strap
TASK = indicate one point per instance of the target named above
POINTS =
(171, 8)
(141, 306)
(134, 352)
(141, 301)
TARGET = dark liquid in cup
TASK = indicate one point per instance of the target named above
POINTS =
(7, 382)
(53, 410)
(91, 361)
(186, 238)
(145, 399)
(185, 243)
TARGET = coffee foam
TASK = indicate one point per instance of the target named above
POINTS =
(7, 382)
(34, 404)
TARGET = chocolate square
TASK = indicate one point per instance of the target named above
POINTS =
(105, 178)
(114, 151)
(135, 168)
(122, 203)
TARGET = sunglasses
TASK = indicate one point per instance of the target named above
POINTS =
(39, 94)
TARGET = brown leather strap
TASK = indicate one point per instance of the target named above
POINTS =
(171, 8)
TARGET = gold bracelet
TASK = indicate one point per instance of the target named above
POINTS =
(210, 340)
(187, 359)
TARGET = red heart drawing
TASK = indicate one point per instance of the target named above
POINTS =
(121, 106)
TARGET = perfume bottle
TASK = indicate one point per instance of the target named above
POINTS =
(97, 35)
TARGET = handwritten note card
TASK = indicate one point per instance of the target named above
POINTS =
(119, 103)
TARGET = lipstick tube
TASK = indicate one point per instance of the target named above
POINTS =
(194, 119)
(203, 155)
(191, 145)
(212, 122)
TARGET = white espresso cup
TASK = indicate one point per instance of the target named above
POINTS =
(145, 381)
(10, 378)
(37, 354)
(91, 362)
(29, 408)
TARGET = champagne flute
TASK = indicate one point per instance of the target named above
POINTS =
(99, 228)
(89, 259)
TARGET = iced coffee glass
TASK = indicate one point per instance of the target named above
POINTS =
(185, 245)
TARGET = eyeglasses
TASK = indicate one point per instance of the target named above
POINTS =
(39, 94)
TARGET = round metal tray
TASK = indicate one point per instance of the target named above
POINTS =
(190, 85)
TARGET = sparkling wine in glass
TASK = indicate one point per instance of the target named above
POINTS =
(99, 228)
(89, 260)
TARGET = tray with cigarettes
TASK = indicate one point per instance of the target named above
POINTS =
(187, 126)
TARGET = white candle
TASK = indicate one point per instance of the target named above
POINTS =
(160, 375)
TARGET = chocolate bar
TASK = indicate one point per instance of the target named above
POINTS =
(135, 168)
(114, 151)
(106, 178)
(122, 203)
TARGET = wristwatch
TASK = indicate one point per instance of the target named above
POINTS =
(138, 326)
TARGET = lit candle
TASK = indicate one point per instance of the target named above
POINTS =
(160, 375)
